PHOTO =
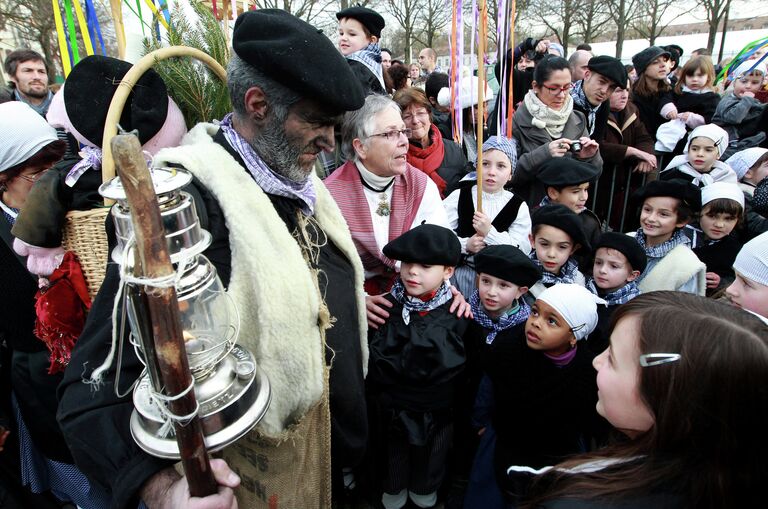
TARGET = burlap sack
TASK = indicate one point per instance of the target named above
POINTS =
(292, 471)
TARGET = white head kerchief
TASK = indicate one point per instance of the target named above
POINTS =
(722, 190)
(752, 260)
(23, 133)
(576, 304)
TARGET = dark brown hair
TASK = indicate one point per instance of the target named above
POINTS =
(399, 76)
(703, 64)
(707, 442)
(646, 86)
(20, 56)
(412, 95)
(46, 156)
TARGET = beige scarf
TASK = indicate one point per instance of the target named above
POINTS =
(545, 117)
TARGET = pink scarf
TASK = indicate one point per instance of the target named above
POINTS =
(346, 188)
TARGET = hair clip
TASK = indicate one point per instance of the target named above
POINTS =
(654, 359)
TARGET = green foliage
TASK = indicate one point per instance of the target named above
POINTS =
(200, 94)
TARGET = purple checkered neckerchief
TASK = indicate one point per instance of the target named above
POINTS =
(268, 180)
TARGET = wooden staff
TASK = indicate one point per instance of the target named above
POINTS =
(481, 100)
(510, 88)
(170, 353)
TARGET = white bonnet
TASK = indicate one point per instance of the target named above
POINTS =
(23, 133)
(752, 260)
(717, 190)
(576, 304)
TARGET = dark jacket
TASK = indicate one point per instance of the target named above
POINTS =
(96, 423)
(649, 109)
(744, 119)
(454, 166)
(601, 120)
(368, 80)
(533, 150)
(624, 129)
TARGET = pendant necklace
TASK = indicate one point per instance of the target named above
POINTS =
(383, 209)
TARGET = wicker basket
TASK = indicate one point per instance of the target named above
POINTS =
(84, 232)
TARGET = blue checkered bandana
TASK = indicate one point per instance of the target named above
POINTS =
(504, 322)
(509, 147)
(409, 303)
(621, 296)
(370, 57)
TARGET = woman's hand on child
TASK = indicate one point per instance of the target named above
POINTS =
(713, 279)
(559, 148)
(375, 310)
(589, 148)
(475, 243)
(481, 223)
(460, 307)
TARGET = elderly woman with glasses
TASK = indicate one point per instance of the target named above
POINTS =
(546, 126)
(380, 195)
(442, 160)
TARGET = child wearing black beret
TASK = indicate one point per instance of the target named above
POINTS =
(359, 35)
(557, 235)
(567, 181)
(415, 357)
(499, 316)
(667, 206)
(619, 261)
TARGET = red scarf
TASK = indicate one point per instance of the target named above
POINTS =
(347, 190)
(430, 158)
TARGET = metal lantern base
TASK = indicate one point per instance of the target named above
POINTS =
(233, 399)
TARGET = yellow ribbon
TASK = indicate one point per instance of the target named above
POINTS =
(157, 14)
(83, 28)
(62, 39)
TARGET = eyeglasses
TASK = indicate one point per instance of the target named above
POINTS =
(34, 177)
(558, 90)
(392, 135)
(655, 359)
(410, 116)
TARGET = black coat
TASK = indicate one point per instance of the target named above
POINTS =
(601, 120)
(649, 109)
(96, 424)
(368, 80)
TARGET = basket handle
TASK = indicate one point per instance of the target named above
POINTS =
(126, 86)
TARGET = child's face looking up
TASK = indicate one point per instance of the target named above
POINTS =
(352, 36)
(573, 197)
(716, 226)
(420, 279)
(547, 330)
(553, 247)
(748, 294)
(658, 219)
(750, 83)
(497, 170)
(498, 295)
(702, 154)
(612, 270)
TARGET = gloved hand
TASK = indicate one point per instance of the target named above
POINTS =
(40, 260)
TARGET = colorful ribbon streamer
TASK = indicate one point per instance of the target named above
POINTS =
(83, 28)
(72, 32)
(63, 50)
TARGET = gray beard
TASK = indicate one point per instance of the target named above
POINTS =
(279, 152)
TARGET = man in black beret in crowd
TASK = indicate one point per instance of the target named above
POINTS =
(601, 78)
(283, 251)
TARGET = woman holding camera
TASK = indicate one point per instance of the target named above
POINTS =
(546, 126)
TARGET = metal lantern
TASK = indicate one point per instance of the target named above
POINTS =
(232, 392)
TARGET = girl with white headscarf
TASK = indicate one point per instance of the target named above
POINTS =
(700, 163)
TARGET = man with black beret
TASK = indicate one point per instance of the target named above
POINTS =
(284, 252)
(603, 75)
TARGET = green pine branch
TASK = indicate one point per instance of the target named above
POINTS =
(200, 94)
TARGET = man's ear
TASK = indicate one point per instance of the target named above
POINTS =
(256, 104)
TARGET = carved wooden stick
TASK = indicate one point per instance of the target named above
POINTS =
(163, 307)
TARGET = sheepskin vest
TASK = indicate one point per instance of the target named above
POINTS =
(674, 270)
(271, 283)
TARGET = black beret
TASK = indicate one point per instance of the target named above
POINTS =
(626, 245)
(611, 68)
(508, 263)
(562, 218)
(643, 59)
(560, 172)
(370, 19)
(428, 244)
(89, 91)
(687, 193)
(298, 56)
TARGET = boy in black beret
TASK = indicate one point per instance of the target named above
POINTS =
(415, 357)
(619, 261)
(359, 35)
(557, 235)
(499, 316)
(567, 182)
(667, 206)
